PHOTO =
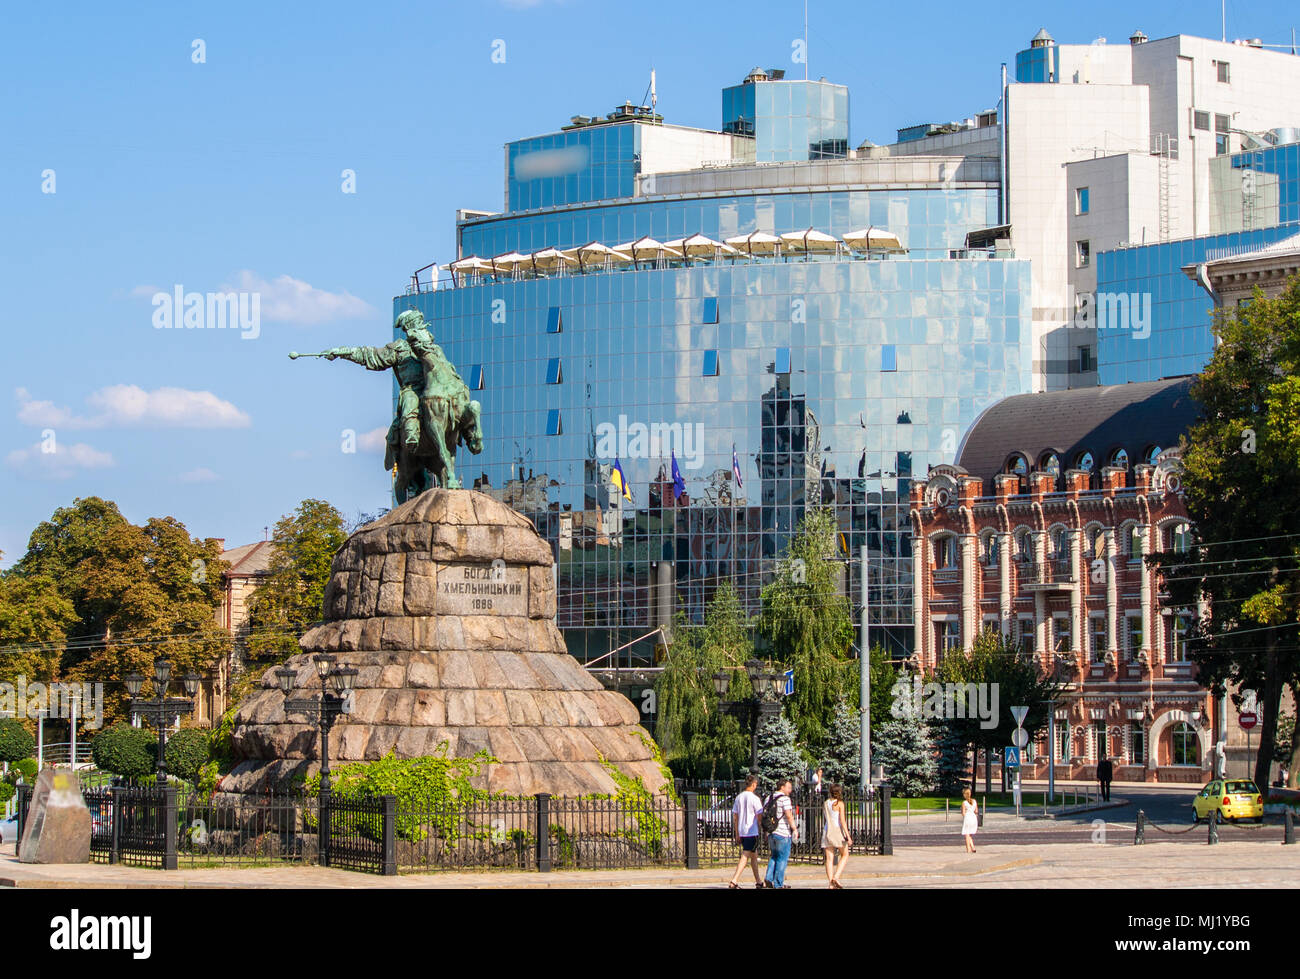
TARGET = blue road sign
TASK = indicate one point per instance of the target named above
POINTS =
(789, 682)
(1012, 756)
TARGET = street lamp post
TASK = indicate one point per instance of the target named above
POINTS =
(768, 687)
(326, 709)
(160, 708)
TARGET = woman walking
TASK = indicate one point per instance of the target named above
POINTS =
(969, 819)
(835, 837)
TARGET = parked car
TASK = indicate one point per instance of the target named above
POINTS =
(1233, 798)
(9, 830)
(715, 821)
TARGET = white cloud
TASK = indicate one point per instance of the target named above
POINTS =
(127, 405)
(289, 300)
(375, 440)
(201, 475)
(57, 460)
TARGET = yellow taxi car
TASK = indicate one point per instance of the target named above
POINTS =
(1233, 798)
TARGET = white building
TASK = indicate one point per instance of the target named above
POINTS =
(1109, 144)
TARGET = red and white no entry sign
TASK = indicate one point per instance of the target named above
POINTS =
(1248, 720)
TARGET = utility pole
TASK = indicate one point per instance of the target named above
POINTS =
(864, 687)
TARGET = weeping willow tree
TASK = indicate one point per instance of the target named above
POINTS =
(807, 621)
(698, 741)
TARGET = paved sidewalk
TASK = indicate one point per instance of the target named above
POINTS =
(1159, 865)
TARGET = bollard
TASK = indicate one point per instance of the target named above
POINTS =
(691, 826)
(1288, 824)
(1140, 833)
(389, 835)
(1214, 828)
(984, 806)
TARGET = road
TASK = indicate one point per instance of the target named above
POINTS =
(1168, 812)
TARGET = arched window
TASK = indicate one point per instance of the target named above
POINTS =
(945, 553)
(989, 549)
(1136, 545)
(1016, 465)
(1119, 458)
(1084, 461)
(1092, 542)
(1060, 544)
(1024, 546)
(1050, 463)
(1152, 454)
(1184, 745)
(1178, 537)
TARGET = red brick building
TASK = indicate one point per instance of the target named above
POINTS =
(1038, 531)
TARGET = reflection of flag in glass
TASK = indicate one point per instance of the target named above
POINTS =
(620, 481)
(679, 484)
(735, 467)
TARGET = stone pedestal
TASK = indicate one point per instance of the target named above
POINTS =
(446, 606)
(57, 829)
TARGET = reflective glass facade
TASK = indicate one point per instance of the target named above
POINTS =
(928, 222)
(834, 380)
(1037, 64)
(789, 120)
(588, 164)
(1256, 189)
(1179, 340)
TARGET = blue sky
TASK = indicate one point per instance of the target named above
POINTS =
(228, 173)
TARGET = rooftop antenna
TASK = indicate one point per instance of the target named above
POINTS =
(1223, 10)
(654, 98)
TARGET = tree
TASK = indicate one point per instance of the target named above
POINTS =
(696, 738)
(806, 620)
(841, 750)
(903, 749)
(779, 756)
(34, 624)
(111, 596)
(951, 762)
(187, 752)
(125, 750)
(1003, 675)
(291, 597)
(1240, 463)
(16, 741)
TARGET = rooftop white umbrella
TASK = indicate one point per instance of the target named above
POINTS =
(698, 245)
(810, 240)
(596, 253)
(755, 243)
(647, 248)
(874, 239)
(509, 262)
(471, 265)
(549, 259)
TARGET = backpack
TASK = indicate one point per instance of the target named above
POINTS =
(769, 821)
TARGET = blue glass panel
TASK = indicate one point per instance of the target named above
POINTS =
(710, 310)
(888, 358)
(783, 360)
(476, 377)
(554, 322)
(554, 373)
(553, 425)
(710, 363)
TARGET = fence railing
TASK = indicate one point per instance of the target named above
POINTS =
(151, 826)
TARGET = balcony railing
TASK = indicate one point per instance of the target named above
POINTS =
(1057, 571)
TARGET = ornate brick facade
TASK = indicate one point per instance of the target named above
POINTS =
(1056, 562)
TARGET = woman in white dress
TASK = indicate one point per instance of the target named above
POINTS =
(969, 819)
(835, 837)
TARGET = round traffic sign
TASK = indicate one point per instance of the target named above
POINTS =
(1020, 737)
(1248, 720)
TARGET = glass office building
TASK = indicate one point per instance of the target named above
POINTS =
(1255, 201)
(833, 378)
(789, 119)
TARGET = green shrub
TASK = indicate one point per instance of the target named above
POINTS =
(125, 750)
(187, 752)
(6, 792)
(16, 742)
(28, 768)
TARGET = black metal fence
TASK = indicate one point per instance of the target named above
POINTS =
(148, 826)
(867, 816)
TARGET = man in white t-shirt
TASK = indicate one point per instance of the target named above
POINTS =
(744, 828)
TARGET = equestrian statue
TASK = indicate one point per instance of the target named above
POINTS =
(435, 413)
